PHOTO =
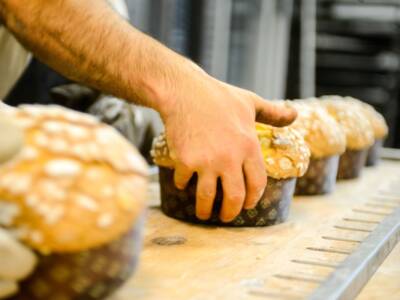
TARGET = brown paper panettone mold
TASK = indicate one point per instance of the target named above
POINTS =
(91, 275)
(373, 155)
(273, 208)
(320, 177)
(351, 164)
(75, 190)
(286, 157)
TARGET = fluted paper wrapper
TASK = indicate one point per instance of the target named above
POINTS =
(351, 164)
(374, 153)
(88, 275)
(320, 177)
(273, 208)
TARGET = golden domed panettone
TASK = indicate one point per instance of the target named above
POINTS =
(73, 192)
(72, 176)
(286, 156)
(326, 140)
(377, 121)
(379, 126)
(358, 130)
(321, 132)
(359, 134)
(285, 152)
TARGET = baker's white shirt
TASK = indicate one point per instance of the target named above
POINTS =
(16, 262)
(13, 61)
(14, 58)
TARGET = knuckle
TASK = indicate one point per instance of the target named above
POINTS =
(236, 198)
(259, 188)
(250, 143)
(205, 161)
(205, 193)
(257, 184)
(228, 160)
(187, 162)
(196, 162)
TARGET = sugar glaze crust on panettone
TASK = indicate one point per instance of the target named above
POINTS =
(377, 121)
(322, 133)
(75, 184)
(284, 150)
(358, 130)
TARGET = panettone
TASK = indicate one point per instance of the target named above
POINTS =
(286, 156)
(377, 121)
(357, 128)
(284, 150)
(321, 132)
(74, 184)
(326, 140)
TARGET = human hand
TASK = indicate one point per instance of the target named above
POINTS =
(210, 129)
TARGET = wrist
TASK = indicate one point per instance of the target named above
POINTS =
(163, 89)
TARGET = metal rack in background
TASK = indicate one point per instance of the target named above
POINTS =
(358, 54)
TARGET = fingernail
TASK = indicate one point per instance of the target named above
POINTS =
(251, 206)
(226, 219)
(260, 194)
(179, 187)
(203, 217)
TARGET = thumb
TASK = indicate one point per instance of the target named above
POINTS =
(276, 114)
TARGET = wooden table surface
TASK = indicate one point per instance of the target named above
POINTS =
(190, 262)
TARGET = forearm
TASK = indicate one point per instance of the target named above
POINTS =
(87, 42)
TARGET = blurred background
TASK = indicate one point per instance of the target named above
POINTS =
(277, 48)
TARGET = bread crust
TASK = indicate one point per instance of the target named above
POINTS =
(358, 130)
(76, 183)
(285, 152)
(321, 132)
